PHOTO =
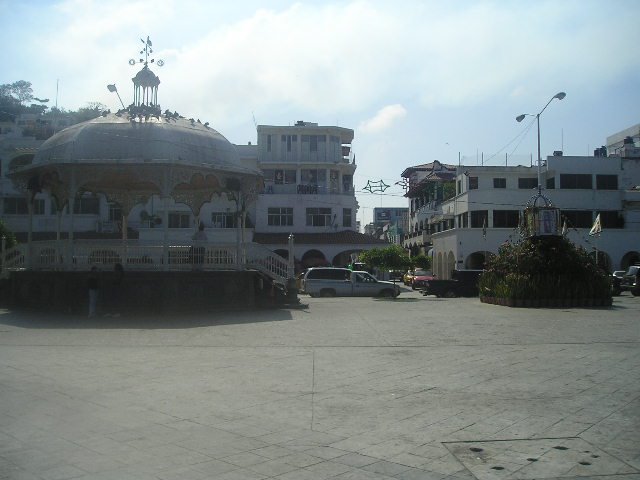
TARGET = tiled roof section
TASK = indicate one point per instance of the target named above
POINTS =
(443, 176)
(345, 237)
(436, 164)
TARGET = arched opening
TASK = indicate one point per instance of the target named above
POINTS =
(451, 262)
(313, 258)
(628, 259)
(282, 252)
(476, 261)
(343, 259)
(440, 267)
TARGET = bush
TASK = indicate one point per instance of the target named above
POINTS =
(544, 268)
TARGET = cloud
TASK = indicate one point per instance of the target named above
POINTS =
(382, 120)
(331, 59)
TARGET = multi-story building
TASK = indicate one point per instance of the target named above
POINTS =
(426, 186)
(308, 174)
(485, 211)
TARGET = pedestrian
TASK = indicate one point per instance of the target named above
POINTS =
(92, 285)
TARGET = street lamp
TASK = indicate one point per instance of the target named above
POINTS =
(112, 88)
(519, 118)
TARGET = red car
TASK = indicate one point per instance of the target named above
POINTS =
(420, 277)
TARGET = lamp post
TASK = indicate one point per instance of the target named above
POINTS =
(112, 88)
(519, 118)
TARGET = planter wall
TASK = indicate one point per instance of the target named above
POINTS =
(549, 302)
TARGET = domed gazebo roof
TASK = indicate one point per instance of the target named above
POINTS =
(115, 139)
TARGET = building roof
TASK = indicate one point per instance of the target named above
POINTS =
(348, 237)
(425, 167)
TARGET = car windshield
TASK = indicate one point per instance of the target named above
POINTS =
(633, 270)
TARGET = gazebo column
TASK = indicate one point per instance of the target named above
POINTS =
(73, 190)
(165, 219)
(30, 199)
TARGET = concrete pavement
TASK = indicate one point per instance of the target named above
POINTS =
(348, 388)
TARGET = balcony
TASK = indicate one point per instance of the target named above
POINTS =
(307, 189)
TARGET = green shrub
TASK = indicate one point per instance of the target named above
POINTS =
(543, 268)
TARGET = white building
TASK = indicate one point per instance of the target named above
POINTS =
(485, 210)
(308, 173)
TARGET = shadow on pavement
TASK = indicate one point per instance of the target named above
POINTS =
(24, 318)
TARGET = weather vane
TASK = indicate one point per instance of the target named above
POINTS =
(146, 51)
(374, 187)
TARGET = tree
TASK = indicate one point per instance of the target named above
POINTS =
(421, 261)
(10, 239)
(392, 257)
(20, 91)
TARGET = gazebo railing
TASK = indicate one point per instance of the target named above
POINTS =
(133, 255)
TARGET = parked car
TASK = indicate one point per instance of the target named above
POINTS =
(464, 283)
(420, 277)
(408, 278)
(629, 282)
(616, 280)
(342, 282)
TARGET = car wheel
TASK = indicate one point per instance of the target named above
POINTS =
(387, 293)
(449, 294)
(635, 292)
(327, 293)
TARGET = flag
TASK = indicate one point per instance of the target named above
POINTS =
(484, 228)
(597, 228)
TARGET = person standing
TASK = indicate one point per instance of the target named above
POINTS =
(92, 285)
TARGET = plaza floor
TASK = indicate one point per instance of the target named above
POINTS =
(346, 388)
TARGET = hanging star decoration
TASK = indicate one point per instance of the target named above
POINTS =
(374, 187)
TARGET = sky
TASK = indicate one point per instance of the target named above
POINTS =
(417, 81)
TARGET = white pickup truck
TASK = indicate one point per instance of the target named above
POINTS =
(342, 282)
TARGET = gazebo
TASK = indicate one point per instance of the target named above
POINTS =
(130, 156)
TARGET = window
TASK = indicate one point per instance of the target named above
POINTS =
(606, 182)
(290, 140)
(280, 176)
(506, 218)
(347, 183)
(346, 217)
(312, 140)
(578, 218)
(458, 187)
(280, 216)
(551, 183)
(223, 220)
(115, 212)
(318, 217)
(527, 183)
(268, 143)
(479, 218)
(473, 183)
(576, 181)
(314, 176)
(38, 206)
(499, 183)
(15, 206)
(611, 219)
(86, 206)
(179, 220)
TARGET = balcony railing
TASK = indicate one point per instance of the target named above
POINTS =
(133, 255)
